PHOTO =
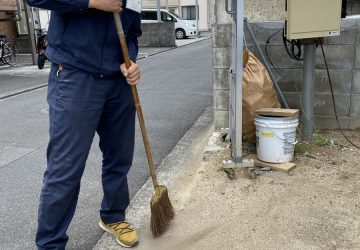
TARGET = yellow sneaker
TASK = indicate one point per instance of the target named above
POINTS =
(124, 234)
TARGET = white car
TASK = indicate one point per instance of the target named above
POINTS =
(183, 28)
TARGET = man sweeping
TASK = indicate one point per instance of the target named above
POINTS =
(88, 91)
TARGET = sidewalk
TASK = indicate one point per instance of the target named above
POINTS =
(316, 206)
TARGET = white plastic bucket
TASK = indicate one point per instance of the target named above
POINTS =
(275, 138)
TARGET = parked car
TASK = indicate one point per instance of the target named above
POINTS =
(183, 28)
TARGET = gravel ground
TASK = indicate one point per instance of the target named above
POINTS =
(317, 206)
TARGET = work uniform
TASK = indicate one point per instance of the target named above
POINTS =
(86, 94)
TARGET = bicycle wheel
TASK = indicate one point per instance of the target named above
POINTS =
(11, 55)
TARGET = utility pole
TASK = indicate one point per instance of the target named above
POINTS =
(158, 10)
(30, 28)
(197, 17)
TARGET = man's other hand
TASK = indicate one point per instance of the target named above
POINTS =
(106, 5)
(131, 74)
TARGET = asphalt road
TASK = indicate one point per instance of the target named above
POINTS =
(175, 90)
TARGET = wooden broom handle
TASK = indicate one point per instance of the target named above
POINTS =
(125, 53)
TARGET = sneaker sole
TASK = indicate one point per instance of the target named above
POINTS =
(117, 240)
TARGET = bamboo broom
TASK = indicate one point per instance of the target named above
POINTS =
(162, 211)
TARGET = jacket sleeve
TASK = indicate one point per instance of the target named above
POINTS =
(132, 37)
(61, 6)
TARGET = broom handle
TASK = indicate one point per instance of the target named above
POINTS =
(125, 53)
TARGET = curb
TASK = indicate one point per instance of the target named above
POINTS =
(176, 47)
(22, 91)
(167, 173)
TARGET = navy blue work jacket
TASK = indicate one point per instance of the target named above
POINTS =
(86, 39)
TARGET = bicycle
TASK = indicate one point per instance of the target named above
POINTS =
(8, 51)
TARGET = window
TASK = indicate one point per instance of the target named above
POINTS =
(188, 12)
(165, 17)
(149, 15)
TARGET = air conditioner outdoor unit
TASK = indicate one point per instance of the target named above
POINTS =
(312, 18)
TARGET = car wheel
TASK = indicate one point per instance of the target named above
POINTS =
(180, 34)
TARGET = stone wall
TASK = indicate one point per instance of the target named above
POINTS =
(160, 34)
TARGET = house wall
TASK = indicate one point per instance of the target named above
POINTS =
(7, 28)
(204, 17)
(174, 4)
(204, 22)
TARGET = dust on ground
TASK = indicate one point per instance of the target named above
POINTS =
(316, 206)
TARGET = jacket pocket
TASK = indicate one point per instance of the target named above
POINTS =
(62, 74)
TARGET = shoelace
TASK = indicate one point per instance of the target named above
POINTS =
(123, 230)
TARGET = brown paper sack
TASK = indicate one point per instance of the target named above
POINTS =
(258, 92)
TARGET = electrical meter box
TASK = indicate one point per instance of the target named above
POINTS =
(312, 18)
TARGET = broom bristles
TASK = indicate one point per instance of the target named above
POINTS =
(162, 212)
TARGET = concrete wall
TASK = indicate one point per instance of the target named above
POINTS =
(264, 10)
(221, 43)
(160, 34)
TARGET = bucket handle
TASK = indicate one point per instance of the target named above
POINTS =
(284, 140)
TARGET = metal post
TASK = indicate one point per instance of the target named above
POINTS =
(197, 17)
(30, 28)
(308, 91)
(239, 47)
(158, 10)
(235, 105)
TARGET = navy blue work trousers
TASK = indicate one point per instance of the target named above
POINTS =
(80, 105)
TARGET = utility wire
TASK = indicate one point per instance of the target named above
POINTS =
(333, 97)
(266, 51)
(293, 48)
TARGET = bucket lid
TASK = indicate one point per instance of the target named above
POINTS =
(276, 118)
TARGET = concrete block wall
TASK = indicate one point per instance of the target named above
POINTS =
(221, 26)
(160, 34)
(343, 56)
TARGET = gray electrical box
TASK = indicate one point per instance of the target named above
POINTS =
(312, 18)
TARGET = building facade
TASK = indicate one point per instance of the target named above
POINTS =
(8, 9)
(185, 9)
